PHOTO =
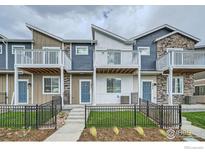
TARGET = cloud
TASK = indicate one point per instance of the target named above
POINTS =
(73, 22)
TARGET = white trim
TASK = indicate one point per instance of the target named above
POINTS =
(6, 47)
(1, 49)
(51, 47)
(32, 87)
(71, 89)
(174, 49)
(81, 80)
(7, 88)
(13, 46)
(152, 94)
(27, 81)
(145, 47)
(80, 54)
(174, 78)
(47, 93)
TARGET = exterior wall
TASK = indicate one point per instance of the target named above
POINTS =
(105, 42)
(199, 82)
(127, 87)
(75, 86)
(174, 41)
(2, 87)
(149, 62)
(42, 40)
(3, 57)
(66, 88)
(82, 62)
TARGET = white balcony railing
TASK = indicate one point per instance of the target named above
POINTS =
(116, 58)
(42, 58)
(182, 59)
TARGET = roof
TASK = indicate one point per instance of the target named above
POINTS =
(200, 47)
(104, 31)
(31, 27)
(80, 41)
(2, 36)
(17, 40)
(179, 32)
(162, 27)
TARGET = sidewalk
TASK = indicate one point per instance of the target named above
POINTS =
(72, 129)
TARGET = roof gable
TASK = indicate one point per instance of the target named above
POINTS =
(2, 36)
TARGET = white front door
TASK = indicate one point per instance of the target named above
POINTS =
(85, 91)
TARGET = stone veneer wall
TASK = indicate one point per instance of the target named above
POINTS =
(174, 41)
(66, 88)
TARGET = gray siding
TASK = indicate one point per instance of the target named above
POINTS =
(82, 62)
(3, 57)
(11, 56)
(149, 62)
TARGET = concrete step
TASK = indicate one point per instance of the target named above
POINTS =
(186, 123)
(76, 117)
(75, 120)
(73, 106)
(77, 114)
(78, 111)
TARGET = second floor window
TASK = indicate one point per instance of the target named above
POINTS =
(17, 47)
(1, 50)
(145, 51)
(81, 50)
(114, 58)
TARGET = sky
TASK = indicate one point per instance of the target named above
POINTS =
(74, 22)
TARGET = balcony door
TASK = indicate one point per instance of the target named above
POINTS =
(51, 56)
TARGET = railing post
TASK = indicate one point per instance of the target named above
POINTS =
(5, 98)
(140, 102)
(52, 108)
(135, 115)
(37, 122)
(147, 108)
(55, 116)
(180, 116)
(25, 126)
(85, 115)
(161, 116)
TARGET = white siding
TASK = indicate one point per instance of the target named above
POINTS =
(104, 42)
(102, 97)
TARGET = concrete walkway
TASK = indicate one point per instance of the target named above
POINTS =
(73, 127)
(186, 125)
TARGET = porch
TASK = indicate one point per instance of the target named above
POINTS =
(46, 69)
(177, 61)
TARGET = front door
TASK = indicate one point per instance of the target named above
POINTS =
(85, 91)
(147, 90)
(23, 91)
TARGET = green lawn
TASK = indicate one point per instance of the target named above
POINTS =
(118, 118)
(20, 120)
(197, 118)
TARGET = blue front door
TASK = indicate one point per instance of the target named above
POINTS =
(22, 89)
(85, 92)
(147, 90)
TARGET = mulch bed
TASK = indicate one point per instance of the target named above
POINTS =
(126, 134)
(7, 134)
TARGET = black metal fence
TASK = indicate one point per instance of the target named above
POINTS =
(144, 115)
(30, 116)
(3, 97)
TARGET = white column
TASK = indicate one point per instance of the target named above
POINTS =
(15, 85)
(7, 88)
(170, 85)
(139, 76)
(94, 86)
(62, 84)
(32, 87)
(71, 89)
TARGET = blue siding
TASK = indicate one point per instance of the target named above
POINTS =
(82, 62)
(149, 62)
(11, 56)
(3, 57)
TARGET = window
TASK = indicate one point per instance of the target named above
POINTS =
(200, 90)
(14, 47)
(51, 56)
(113, 85)
(114, 58)
(177, 85)
(145, 51)
(51, 85)
(81, 50)
(1, 50)
(174, 49)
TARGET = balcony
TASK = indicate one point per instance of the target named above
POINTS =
(183, 61)
(42, 58)
(116, 61)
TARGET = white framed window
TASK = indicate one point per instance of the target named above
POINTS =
(114, 57)
(177, 85)
(1, 49)
(51, 85)
(81, 50)
(113, 85)
(14, 47)
(145, 51)
(174, 49)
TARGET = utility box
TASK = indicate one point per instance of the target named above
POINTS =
(124, 99)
